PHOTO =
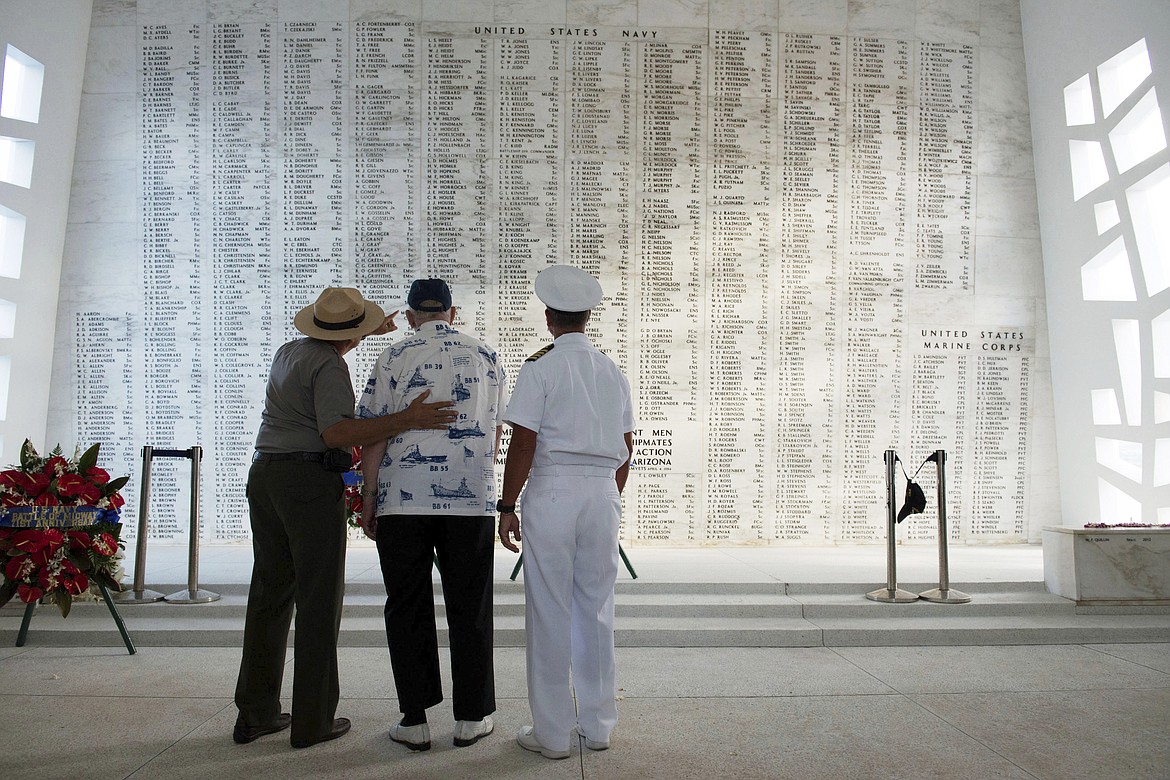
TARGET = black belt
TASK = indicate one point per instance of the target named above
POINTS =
(271, 457)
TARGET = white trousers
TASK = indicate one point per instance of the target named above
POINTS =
(570, 531)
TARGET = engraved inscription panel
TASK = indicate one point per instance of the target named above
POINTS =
(784, 223)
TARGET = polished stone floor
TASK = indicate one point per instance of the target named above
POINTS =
(1093, 711)
(1053, 711)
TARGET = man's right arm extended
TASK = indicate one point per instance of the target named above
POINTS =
(418, 416)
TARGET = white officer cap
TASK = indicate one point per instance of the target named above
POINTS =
(569, 289)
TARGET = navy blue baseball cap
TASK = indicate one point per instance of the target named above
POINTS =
(429, 295)
(915, 501)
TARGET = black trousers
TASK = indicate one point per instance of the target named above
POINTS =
(298, 541)
(407, 546)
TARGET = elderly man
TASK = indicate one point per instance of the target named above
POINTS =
(572, 434)
(297, 507)
(435, 496)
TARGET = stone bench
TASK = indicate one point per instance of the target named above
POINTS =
(1108, 566)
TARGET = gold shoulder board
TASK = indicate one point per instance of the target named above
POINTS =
(539, 353)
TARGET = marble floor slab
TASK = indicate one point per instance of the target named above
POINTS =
(1155, 655)
(809, 737)
(733, 672)
(196, 672)
(944, 669)
(365, 753)
(79, 736)
(1074, 735)
(1041, 713)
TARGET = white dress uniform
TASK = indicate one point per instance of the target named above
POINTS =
(579, 404)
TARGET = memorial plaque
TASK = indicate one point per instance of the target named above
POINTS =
(770, 212)
(173, 346)
(998, 435)
(807, 284)
(944, 156)
(242, 108)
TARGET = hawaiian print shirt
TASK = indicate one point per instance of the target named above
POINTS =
(449, 472)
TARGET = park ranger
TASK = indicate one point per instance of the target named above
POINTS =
(572, 435)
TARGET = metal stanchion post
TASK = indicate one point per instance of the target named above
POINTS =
(943, 594)
(891, 593)
(192, 594)
(139, 594)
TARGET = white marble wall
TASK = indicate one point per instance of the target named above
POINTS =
(106, 276)
(53, 34)
(1069, 41)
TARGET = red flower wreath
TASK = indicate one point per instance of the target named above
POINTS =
(60, 528)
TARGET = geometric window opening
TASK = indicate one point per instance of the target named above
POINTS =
(5, 375)
(1117, 506)
(1149, 205)
(16, 160)
(1078, 103)
(1161, 407)
(1087, 160)
(23, 79)
(7, 319)
(1161, 462)
(1105, 409)
(1123, 457)
(1107, 277)
(11, 242)
(1160, 327)
(1139, 135)
(1164, 515)
(1107, 216)
(1122, 74)
(1127, 343)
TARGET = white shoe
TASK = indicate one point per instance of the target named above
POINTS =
(468, 732)
(414, 737)
(528, 741)
(593, 744)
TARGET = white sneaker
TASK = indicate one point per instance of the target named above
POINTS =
(468, 732)
(528, 741)
(414, 737)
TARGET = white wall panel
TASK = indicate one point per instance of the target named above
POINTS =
(815, 224)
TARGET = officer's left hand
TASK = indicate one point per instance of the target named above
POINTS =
(510, 527)
(368, 521)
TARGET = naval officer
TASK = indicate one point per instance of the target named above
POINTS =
(572, 435)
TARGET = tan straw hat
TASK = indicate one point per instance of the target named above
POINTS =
(340, 314)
